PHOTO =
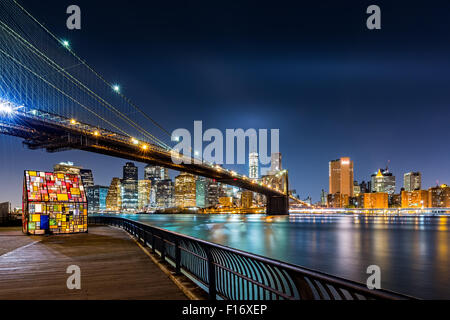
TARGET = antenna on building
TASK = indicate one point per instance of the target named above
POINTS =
(387, 165)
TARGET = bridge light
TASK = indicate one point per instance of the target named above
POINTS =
(96, 133)
(134, 141)
(116, 88)
(5, 108)
(73, 121)
(65, 43)
(144, 147)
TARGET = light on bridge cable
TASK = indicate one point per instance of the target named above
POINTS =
(116, 88)
(5, 108)
(65, 43)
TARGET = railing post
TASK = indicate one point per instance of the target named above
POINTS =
(177, 256)
(163, 248)
(211, 275)
(153, 242)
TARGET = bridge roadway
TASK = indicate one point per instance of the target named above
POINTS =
(42, 130)
(112, 266)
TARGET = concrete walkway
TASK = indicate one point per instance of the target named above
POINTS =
(112, 266)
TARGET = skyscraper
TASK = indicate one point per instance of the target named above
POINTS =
(66, 167)
(412, 181)
(185, 190)
(275, 162)
(144, 187)
(341, 176)
(96, 196)
(200, 192)
(164, 194)
(130, 187)
(212, 193)
(246, 199)
(114, 196)
(253, 165)
(87, 177)
(152, 172)
(323, 198)
(383, 181)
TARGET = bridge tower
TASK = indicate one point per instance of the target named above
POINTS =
(279, 205)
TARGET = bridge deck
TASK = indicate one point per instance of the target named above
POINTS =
(112, 267)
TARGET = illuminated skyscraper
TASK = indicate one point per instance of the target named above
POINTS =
(412, 181)
(341, 176)
(185, 190)
(246, 199)
(154, 173)
(114, 196)
(96, 196)
(200, 193)
(130, 187)
(66, 167)
(87, 177)
(144, 187)
(212, 193)
(275, 162)
(253, 165)
(164, 194)
(383, 181)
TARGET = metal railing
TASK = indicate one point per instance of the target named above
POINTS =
(227, 273)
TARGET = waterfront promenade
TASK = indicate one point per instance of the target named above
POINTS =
(112, 265)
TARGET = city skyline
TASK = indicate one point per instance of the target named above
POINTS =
(310, 100)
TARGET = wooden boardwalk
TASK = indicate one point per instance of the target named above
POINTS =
(112, 266)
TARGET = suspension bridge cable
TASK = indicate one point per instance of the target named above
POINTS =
(79, 84)
(92, 70)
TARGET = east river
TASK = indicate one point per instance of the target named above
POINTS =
(413, 252)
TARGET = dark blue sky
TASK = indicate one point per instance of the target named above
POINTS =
(311, 69)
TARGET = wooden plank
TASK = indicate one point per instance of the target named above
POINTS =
(112, 267)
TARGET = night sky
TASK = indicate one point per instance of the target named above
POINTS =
(311, 69)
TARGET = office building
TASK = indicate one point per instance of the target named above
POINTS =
(201, 192)
(323, 198)
(96, 197)
(114, 196)
(356, 188)
(378, 200)
(66, 167)
(212, 193)
(275, 162)
(415, 199)
(185, 190)
(439, 196)
(338, 200)
(341, 176)
(383, 181)
(246, 199)
(87, 177)
(130, 195)
(412, 181)
(253, 165)
(164, 194)
(144, 188)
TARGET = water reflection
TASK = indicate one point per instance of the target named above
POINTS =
(412, 251)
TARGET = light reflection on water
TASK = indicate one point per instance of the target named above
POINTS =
(412, 251)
